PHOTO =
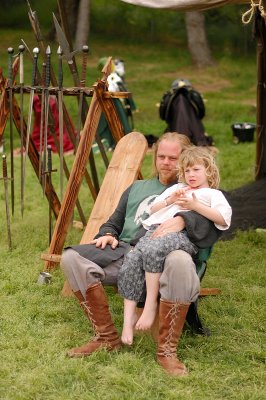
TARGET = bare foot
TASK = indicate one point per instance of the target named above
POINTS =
(147, 318)
(128, 331)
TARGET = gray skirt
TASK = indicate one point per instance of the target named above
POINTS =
(149, 256)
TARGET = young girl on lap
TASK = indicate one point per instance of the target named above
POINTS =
(140, 273)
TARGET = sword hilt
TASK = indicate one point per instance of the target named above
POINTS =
(49, 162)
(43, 73)
(48, 66)
(49, 159)
(4, 166)
(60, 67)
(85, 50)
(10, 51)
(21, 49)
(5, 174)
(35, 65)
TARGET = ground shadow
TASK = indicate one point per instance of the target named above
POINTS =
(249, 207)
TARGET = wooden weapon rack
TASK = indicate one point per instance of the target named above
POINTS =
(101, 102)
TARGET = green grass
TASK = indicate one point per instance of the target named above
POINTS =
(38, 325)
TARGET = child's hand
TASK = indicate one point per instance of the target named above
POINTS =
(180, 193)
(188, 203)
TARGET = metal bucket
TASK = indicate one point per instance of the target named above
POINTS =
(243, 132)
(44, 278)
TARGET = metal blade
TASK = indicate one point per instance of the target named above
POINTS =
(63, 41)
(61, 140)
(32, 91)
(21, 81)
(25, 154)
(46, 108)
(5, 179)
(85, 50)
(41, 166)
(10, 51)
(61, 119)
(46, 117)
(49, 172)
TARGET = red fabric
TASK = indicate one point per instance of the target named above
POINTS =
(68, 146)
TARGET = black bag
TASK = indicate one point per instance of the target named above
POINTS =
(191, 95)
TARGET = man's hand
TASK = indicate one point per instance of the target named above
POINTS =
(175, 224)
(104, 240)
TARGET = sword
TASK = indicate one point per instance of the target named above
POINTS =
(5, 180)
(60, 116)
(10, 51)
(49, 173)
(32, 91)
(33, 83)
(46, 105)
(41, 123)
(85, 50)
(21, 49)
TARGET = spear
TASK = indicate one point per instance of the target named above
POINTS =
(5, 180)
(35, 23)
(10, 51)
(21, 49)
(68, 55)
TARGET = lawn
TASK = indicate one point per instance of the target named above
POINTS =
(38, 324)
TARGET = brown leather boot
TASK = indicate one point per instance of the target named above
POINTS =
(171, 321)
(106, 336)
(79, 296)
(81, 300)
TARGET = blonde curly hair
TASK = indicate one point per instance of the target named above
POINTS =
(199, 155)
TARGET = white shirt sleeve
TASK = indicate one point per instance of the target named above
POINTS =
(219, 202)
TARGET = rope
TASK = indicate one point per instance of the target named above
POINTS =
(86, 307)
(173, 313)
(248, 15)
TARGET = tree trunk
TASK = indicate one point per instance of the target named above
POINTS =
(197, 39)
(71, 10)
(83, 24)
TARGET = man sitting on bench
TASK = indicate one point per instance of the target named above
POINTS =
(88, 267)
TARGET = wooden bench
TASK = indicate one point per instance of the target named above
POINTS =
(123, 170)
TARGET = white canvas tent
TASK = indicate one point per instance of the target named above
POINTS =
(256, 9)
(184, 5)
